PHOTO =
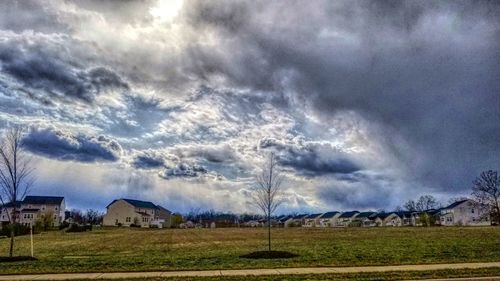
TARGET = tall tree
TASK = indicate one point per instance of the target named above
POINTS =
(267, 194)
(486, 190)
(16, 174)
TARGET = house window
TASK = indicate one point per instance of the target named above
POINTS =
(127, 219)
(56, 208)
(472, 211)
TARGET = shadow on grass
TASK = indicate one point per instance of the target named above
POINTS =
(269, 255)
(17, 258)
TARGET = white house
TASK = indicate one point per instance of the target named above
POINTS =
(328, 219)
(297, 220)
(33, 208)
(311, 220)
(346, 218)
(129, 212)
(465, 212)
(388, 219)
(366, 219)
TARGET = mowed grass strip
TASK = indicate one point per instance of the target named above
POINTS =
(364, 276)
(131, 249)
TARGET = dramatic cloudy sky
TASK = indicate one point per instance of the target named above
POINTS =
(366, 103)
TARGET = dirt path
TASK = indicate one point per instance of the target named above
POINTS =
(242, 272)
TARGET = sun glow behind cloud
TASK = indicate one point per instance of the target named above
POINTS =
(166, 10)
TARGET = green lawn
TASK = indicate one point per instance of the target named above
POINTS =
(124, 249)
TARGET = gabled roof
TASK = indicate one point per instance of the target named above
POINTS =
(383, 216)
(312, 216)
(329, 215)
(283, 218)
(49, 200)
(163, 209)
(301, 216)
(453, 205)
(363, 215)
(348, 214)
(136, 203)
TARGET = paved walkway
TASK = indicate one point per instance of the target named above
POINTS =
(242, 272)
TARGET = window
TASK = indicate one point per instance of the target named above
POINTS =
(128, 219)
(472, 211)
(56, 208)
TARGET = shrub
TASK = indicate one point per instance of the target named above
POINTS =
(63, 225)
(19, 230)
(78, 228)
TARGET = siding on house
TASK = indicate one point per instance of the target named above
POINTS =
(312, 220)
(127, 212)
(464, 212)
(33, 208)
(346, 218)
(328, 219)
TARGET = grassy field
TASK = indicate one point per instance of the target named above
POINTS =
(124, 249)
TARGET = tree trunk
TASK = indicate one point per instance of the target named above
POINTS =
(11, 249)
(269, 231)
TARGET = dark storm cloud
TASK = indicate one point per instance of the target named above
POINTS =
(47, 66)
(424, 71)
(183, 170)
(360, 191)
(148, 160)
(62, 145)
(311, 159)
(20, 15)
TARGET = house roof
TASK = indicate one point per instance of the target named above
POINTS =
(348, 214)
(301, 216)
(49, 200)
(312, 216)
(328, 215)
(453, 205)
(136, 203)
(163, 209)
(386, 215)
(363, 215)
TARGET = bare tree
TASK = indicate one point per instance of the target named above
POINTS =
(427, 202)
(16, 176)
(267, 194)
(486, 190)
(423, 203)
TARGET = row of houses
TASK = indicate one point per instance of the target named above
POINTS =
(464, 212)
(130, 212)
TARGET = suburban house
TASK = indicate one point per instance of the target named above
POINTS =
(328, 219)
(346, 218)
(388, 219)
(129, 212)
(464, 212)
(311, 220)
(297, 220)
(33, 208)
(365, 219)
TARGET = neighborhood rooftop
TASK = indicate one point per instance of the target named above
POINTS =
(137, 203)
(348, 214)
(328, 215)
(453, 205)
